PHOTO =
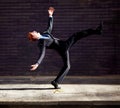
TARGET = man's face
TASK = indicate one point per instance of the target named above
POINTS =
(35, 34)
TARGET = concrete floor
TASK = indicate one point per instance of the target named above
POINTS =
(33, 91)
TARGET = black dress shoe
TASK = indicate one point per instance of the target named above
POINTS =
(99, 28)
(55, 84)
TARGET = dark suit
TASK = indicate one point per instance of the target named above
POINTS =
(62, 47)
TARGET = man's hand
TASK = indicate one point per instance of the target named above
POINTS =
(51, 11)
(34, 67)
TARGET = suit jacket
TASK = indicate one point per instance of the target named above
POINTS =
(47, 43)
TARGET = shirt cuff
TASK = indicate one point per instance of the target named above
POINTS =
(50, 16)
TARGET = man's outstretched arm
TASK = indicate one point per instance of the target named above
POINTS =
(41, 56)
(50, 20)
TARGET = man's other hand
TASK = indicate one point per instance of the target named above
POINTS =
(51, 11)
(34, 67)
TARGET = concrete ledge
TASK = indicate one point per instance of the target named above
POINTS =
(83, 94)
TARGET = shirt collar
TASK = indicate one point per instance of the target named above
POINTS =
(39, 35)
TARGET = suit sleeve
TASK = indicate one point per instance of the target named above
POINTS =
(50, 25)
(42, 52)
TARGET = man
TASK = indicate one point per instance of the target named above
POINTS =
(47, 41)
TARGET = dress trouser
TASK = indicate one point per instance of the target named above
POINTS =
(65, 55)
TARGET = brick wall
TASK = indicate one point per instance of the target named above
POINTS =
(95, 55)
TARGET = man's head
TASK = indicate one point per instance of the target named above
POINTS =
(33, 36)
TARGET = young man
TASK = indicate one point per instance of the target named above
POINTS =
(47, 41)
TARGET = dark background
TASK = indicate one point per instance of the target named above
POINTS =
(94, 55)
